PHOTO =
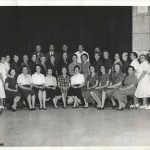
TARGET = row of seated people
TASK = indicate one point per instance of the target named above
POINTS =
(116, 86)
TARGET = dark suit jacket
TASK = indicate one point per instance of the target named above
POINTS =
(47, 55)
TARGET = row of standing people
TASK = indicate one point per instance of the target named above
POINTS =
(50, 60)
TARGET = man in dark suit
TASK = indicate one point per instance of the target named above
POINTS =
(50, 53)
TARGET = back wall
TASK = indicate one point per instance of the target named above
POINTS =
(21, 28)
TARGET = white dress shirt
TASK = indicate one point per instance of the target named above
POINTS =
(38, 79)
(79, 56)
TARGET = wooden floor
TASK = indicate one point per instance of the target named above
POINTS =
(75, 127)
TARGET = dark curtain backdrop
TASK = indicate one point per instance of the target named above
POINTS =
(21, 28)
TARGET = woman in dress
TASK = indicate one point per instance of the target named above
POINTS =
(32, 63)
(125, 63)
(25, 85)
(97, 62)
(26, 63)
(77, 82)
(89, 94)
(128, 88)
(117, 60)
(63, 62)
(2, 91)
(38, 80)
(50, 85)
(103, 84)
(85, 66)
(116, 79)
(43, 65)
(85, 70)
(15, 65)
(107, 62)
(7, 63)
(64, 85)
(3, 69)
(11, 89)
(52, 64)
(134, 61)
(73, 64)
(142, 90)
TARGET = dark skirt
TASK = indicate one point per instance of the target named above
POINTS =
(36, 90)
(11, 95)
(26, 93)
(74, 92)
(50, 93)
(58, 91)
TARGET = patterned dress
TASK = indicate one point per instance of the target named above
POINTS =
(85, 70)
(92, 81)
(103, 80)
(121, 95)
(114, 79)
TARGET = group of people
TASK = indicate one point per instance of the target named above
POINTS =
(83, 80)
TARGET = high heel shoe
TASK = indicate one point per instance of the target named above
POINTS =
(77, 106)
(100, 108)
(120, 109)
(30, 109)
(64, 107)
(12, 109)
(85, 107)
(114, 106)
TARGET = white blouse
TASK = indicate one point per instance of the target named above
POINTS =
(77, 79)
(50, 81)
(3, 71)
(7, 66)
(135, 64)
(38, 79)
(24, 80)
